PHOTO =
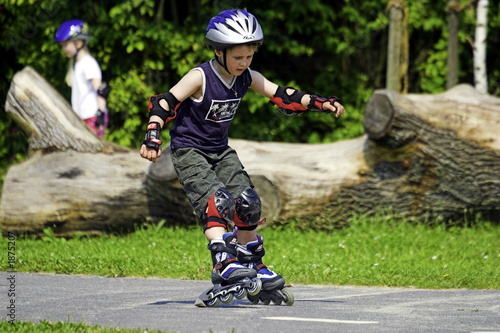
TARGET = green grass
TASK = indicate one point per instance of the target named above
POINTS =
(368, 253)
(373, 253)
(59, 327)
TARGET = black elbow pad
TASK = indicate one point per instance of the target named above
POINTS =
(155, 108)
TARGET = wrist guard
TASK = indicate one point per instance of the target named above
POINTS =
(289, 105)
(152, 139)
(316, 103)
(155, 108)
(99, 118)
(103, 90)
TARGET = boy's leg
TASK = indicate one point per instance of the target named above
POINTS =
(247, 236)
(247, 215)
(273, 284)
(251, 254)
(214, 205)
(200, 183)
(214, 233)
(247, 210)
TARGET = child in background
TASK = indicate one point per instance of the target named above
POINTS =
(88, 94)
(203, 104)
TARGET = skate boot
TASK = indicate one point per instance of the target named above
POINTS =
(273, 284)
(230, 278)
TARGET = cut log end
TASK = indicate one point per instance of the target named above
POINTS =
(379, 114)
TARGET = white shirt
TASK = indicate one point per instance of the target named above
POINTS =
(83, 95)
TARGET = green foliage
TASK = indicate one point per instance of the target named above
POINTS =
(324, 47)
(128, 98)
(433, 69)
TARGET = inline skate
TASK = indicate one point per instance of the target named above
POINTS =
(230, 278)
(273, 284)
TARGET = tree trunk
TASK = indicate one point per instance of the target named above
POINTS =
(397, 48)
(454, 8)
(480, 76)
(424, 156)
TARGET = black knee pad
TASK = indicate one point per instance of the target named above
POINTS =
(247, 209)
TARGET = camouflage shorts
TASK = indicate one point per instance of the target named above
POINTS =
(202, 173)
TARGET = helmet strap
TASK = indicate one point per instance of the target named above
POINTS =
(223, 63)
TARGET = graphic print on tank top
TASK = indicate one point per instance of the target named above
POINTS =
(222, 111)
(204, 123)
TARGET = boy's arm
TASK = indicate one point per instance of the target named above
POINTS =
(163, 108)
(293, 102)
(165, 105)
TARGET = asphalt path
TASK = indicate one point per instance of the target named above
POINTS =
(168, 305)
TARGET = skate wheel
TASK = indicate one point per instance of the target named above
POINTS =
(242, 293)
(265, 301)
(277, 300)
(253, 299)
(256, 287)
(227, 298)
(214, 302)
(289, 298)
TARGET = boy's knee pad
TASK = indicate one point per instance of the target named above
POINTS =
(248, 208)
(220, 209)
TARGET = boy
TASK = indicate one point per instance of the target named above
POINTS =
(203, 104)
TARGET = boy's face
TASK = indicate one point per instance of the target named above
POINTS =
(238, 58)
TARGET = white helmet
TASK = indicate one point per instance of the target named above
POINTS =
(233, 27)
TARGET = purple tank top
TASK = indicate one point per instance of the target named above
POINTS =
(204, 124)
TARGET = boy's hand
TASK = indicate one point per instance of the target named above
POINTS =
(151, 146)
(150, 153)
(326, 105)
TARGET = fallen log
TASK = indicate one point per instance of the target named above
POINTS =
(424, 157)
(430, 158)
(72, 181)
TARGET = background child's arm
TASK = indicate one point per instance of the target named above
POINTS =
(101, 101)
